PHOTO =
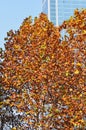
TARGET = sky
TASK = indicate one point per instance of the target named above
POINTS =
(13, 12)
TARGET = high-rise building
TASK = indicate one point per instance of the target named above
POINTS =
(60, 10)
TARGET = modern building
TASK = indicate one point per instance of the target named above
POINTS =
(60, 10)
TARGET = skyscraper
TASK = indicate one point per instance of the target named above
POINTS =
(60, 10)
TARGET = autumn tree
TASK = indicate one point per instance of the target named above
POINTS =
(45, 76)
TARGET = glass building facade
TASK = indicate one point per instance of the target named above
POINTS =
(60, 10)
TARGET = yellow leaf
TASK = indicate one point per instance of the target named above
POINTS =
(47, 58)
(57, 110)
(43, 46)
(30, 112)
(84, 31)
(27, 113)
(67, 73)
(79, 64)
(7, 101)
(17, 47)
(50, 115)
(81, 95)
(76, 72)
(14, 128)
(1, 103)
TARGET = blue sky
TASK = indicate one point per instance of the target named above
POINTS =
(13, 12)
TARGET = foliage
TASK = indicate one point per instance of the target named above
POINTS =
(45, 76)
(1, 92)
(8, 115)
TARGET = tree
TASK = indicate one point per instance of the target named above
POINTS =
(43, 75)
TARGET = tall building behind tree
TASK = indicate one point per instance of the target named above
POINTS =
(60, 10)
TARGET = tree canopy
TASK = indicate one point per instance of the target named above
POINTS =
(44, 76)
